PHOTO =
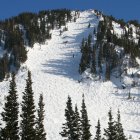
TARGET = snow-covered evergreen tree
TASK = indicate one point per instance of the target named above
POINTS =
(77, 124)
(85, 126)
(93, 62)
(119, 129)
(110, 132)
(68, 129)
(98, 131)
(28, 110)
(10, 114)
(40, 131)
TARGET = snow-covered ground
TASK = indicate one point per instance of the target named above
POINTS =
(117, 29)
(55, 75)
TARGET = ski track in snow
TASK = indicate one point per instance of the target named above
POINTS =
(55, 74)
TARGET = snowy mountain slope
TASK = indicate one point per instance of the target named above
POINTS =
(55, 74)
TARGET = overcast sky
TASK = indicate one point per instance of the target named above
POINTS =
(126, 9)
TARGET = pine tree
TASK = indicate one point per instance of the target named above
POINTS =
(89, 25)
(100, 58)
(108, 35)
(68, 129)
(85, 126)
(87, 55)
(93, 63)
(89, 39)
(110, 132)
(98, 131)
(107, 74)
(10, 114)
(77, 124)
(94, 31)
(82, 65)
(86, 58)
(40, 131)
(28, 110)
(131, 32)
(119, 128)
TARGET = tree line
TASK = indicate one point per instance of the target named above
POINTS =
(77, 127)
(30, 127)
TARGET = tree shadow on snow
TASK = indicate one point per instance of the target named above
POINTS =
(66, 66)
(135, 131)
(133, 114)
(124, 95)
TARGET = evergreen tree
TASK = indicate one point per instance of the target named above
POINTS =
(107, 74)
(89, 25)
(82, 65)
(119, 129)
(108, 35)
(28, 110)
(98, 131)
(40, 131)
(77, 124)
(130, 30)
(85, 59)
(110, 132)
(85, 126)
(94, 31)
(10, 114)
(93, 63)
(89, 39)
(101, 31)
(4, 66)
(68, 129)
(100, 58)
(87, 55)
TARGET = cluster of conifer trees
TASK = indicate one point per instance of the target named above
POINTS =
(93, 57)
(30, 127)
(88, 54)
(103, 53)
(77, 127)
(27, 29)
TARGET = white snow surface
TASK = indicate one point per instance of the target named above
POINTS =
(55, 75)
(117, 28)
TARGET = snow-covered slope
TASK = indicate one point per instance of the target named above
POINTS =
(55, 74)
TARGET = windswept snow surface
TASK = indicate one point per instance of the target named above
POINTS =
(55, 75)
